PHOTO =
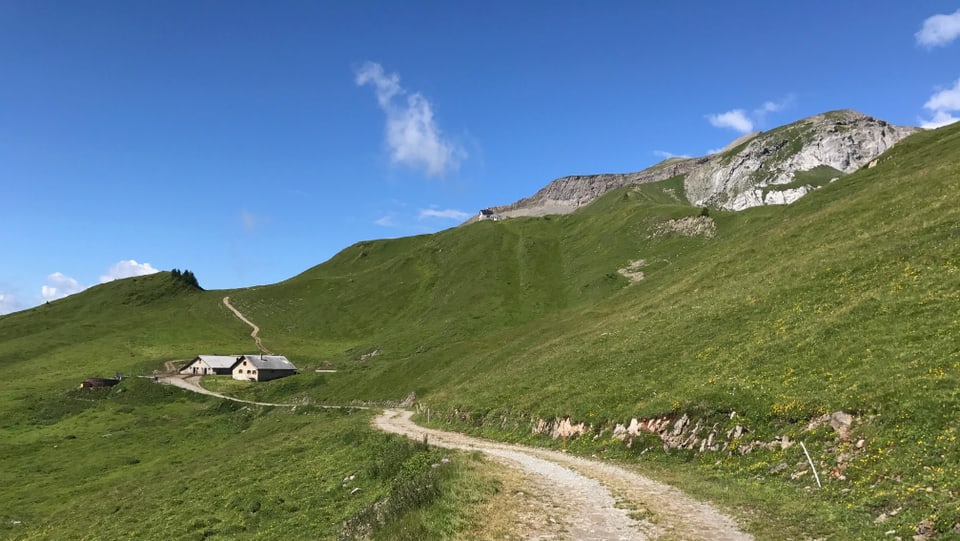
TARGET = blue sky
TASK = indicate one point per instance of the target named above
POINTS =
(249, 141)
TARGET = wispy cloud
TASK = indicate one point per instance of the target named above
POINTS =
(126, 269)
(735, 119)
(413, 136)
(939, 30)
(9, 303)
(667, 155)
(446, 214)
(60, 285)
(385, 221)
(746, 122)
(773, 107)
(943, 106)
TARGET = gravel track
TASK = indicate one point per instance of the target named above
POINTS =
(592, 497)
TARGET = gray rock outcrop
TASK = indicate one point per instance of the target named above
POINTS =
(752, 175)
(759, 169)
(567, 194)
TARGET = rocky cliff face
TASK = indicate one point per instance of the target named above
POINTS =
(567, 194)
(783, 165)
(775, 167)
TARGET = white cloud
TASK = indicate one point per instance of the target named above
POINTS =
(667, 155)
(385, 221)
(126, 269)
(413, 137)
(8, 303)
(60, 285)
(939, 30)
(772, 107)
(945, 100)
(939, 119)
(714, 151)
(942, 106)
(735, 119)
(448, 214)
(769, 107)
(744, 122)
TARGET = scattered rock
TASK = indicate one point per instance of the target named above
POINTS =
(632, 271)
(783, 466)
(883, 517)
(841, 422)
(371, 355)
(690, 226)
(681, 422)
(925, 530)
(409, 400)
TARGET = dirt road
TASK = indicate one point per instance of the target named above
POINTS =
(192, 383)
(591, 498)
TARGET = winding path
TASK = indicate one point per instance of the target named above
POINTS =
(592, 497)
(256, 330)
(192, 383)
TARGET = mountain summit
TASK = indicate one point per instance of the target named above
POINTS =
(767, 168)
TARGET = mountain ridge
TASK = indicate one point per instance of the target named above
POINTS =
(745, 174)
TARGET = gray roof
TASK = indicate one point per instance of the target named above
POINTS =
(219, 361)
(269, 362)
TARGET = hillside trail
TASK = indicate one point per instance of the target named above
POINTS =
(256, 330)
(192, 383)
(592, 500)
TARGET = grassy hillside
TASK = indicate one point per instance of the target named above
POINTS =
(147, 461)
(844, 301)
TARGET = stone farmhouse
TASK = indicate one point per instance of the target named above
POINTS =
(208, 365)
(263, 367)
(240, 367)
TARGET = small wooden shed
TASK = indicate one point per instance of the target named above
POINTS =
(99, 383)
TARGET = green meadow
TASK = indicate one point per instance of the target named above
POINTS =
(847, 300)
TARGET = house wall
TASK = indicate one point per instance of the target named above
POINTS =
(244, 371)
(267, 375)
(199, 368)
